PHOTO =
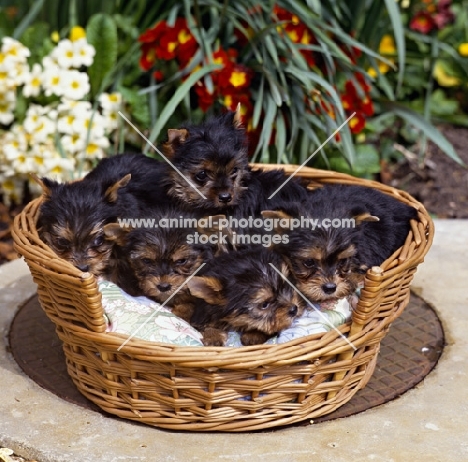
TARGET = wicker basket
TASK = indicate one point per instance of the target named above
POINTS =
(221, 388)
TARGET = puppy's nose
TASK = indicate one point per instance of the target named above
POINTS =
(164, 286)
(293, 310)
(83, 267)
(225, 197)
(329, 287)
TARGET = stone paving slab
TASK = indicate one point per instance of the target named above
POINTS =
(428, 423)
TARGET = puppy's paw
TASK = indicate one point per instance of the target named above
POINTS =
(253, 337)
(214, 337)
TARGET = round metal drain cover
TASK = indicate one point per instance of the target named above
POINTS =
(408, 353)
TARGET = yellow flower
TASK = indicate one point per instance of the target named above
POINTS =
(77, 33)
(183, 37)
(443, 78)
(383, 69)
(387, 45)
(463, 49)
(238, 79)
(55, 36)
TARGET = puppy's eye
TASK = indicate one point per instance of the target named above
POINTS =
(361, 270)
(309, 263)
(147, 261)
(181, 261)
(265, 305)
(62, 242)
(98, 241)
(201, 176)
(234, 171)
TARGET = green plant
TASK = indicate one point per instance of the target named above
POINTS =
(414, 95)
(298, 68)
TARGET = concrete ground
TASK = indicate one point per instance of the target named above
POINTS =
(428, 423)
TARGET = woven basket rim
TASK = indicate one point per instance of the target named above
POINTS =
(314, 345)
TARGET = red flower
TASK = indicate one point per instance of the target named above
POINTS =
(362, 81)
(186, 43)
(309, 57)
(166, 43)
(235, 75)
(166, 48)
(148, 56)
(327, 108)
(348, 102)
(357, 123)
(158, 75)
(231, 101)
(205, 99)
(367, 107)
(350, 89)
(358, 102)
(244, 36)
(422, 22)
(154, 34)
(224, 57)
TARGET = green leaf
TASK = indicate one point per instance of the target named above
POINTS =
(138, 104)
(178, 96)
(280, 140)
(28, 19)
(348, 147)
(258, 104)
(427, 128)
(366, 165)
(34, 38)
(270, 114)
(101, 32)
(398, 32)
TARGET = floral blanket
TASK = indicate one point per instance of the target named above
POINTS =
(148, 320)
(144, 319)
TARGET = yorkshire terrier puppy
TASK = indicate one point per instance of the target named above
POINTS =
(144, 190)
(213, 156)
(72, 217)
(355, 228)
(73, 214)
(241, 291)
(159, 259)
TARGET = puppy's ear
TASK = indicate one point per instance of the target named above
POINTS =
(111, 193)
(366, 216)
(237, 119)
(115, 233)
(207, 288)
(175, 137)
(281, 220)
(45, 184)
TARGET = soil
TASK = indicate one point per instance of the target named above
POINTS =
(441, 184)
